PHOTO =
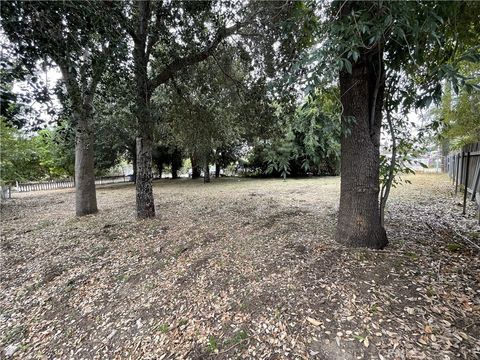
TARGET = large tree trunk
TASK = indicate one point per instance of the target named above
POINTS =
(85, 194)
(144, 175)
(362, 100)
(145, 201)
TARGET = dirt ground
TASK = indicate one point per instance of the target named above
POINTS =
(238, 269)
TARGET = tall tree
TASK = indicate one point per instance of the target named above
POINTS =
(413, 45)
(79, 38)
(205, 106)
(167, 38)
(362, 90)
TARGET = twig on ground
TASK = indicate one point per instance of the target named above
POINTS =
(234, 345)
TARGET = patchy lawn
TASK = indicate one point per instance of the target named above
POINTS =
(238, 269)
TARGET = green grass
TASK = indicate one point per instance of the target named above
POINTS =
(163, 328)
(13, 335)
(454, 247)
(212, 344)
(237, 338)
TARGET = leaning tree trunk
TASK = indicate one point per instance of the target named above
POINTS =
(85, 194)
(362, 100)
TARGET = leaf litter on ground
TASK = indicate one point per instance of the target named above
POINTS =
(238, 268)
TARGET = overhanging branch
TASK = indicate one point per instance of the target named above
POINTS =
(178, 64)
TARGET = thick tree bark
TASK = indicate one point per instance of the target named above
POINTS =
(144, 191)
(362, 100)
(85, 193)
(144, 175)
(145, 202)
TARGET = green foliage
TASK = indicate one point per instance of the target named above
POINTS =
(424, 44)
(458, 115)
(408, 146)
(18, 158)
(204, 109)
(10, 104)
(38, 157)
(311, 137)
(56, 157)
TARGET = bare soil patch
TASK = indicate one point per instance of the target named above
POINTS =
(238, 269)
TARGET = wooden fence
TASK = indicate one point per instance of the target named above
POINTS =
(68, 183)
(463, 168)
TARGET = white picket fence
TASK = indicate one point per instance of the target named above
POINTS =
(68, 183)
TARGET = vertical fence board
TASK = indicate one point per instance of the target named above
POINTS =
(464, 170)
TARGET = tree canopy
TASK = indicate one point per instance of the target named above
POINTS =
(276, 88)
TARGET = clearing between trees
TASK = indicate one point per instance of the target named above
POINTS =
(238, 268)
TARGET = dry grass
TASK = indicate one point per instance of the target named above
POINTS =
(237, 269)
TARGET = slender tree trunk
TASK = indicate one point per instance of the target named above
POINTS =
(362, 100)
(445, 150)
(206, 173)
(160, 169)
(133, 151)
(385, 191)
(217, 170)
(195, 167)
(175, 164)
(85, 193)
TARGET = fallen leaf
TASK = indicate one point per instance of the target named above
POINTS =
(313, 321)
